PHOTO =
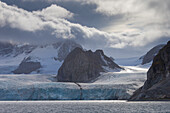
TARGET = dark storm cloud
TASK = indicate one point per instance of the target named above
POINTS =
(16, 36)
(85, 14)
(28, 5)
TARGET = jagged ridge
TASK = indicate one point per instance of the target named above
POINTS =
(84, 66)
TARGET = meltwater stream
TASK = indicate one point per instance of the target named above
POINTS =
(84, 107)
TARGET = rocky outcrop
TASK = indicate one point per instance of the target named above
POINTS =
(27, 66)
(151, 54)
(84, 66)
(157, 85)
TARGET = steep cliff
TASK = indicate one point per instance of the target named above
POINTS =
(157, 85)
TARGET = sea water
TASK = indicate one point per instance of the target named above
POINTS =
(84, 106)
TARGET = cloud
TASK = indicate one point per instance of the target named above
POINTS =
(37, 21)
(140, 23)
(114, 7)
(31, 21)
(149, 19)
(53, 12)
(19, 18)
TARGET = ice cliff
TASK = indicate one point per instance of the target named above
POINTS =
(111, 85)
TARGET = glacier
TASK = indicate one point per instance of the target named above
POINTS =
(109, 86)
(62, 91)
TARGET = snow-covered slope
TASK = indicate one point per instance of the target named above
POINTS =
(13, 50)
(148, 57)
(130, 78)
(11, 55)
(49, 56)
(143, 61)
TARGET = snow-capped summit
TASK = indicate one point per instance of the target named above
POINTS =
(49, 56)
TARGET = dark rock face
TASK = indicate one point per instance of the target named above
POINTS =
(151, 54)
(84, 66)
(157, 85)
(27, 66)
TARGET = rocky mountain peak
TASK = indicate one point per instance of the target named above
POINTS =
(84, 66)
(99, 51)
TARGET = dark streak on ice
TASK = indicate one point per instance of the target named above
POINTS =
(81, 94)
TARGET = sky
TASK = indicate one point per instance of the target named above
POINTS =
(122, 28)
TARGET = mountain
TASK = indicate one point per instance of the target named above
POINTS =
(148, 57)
(27, 66)
(84, 66)
(143, 61)
(157, 85)
(13, 50)
(110, 85)
(12, 54)
(110, 82)
(34, 59)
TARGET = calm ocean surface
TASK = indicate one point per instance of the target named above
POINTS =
(83, 107)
